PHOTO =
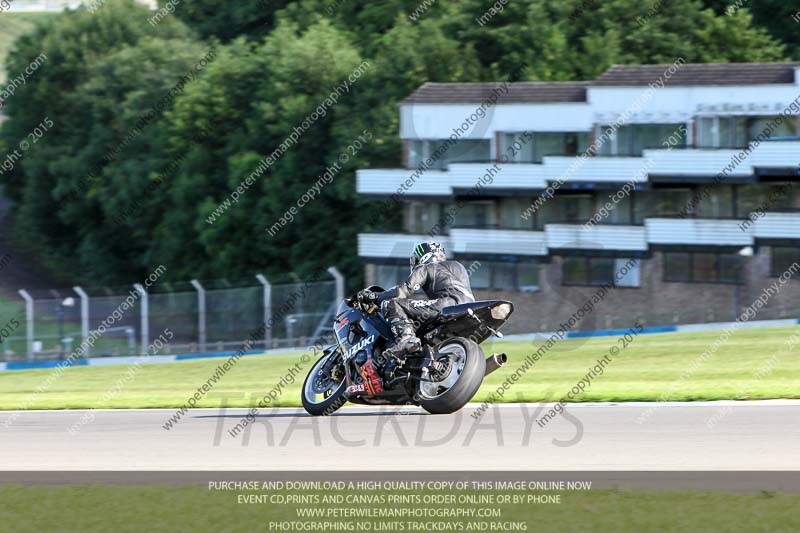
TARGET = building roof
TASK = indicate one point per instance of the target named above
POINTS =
(687, 75)
(526, 92)
(699, 74)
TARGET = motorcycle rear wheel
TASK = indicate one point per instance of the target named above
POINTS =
(468, 366)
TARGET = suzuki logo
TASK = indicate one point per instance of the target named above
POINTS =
(360, 345)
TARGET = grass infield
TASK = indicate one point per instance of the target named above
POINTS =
(752, 364)
(156, 508)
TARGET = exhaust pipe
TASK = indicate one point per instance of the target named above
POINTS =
(495, 361)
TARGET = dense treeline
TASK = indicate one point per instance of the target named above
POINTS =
(155, 123)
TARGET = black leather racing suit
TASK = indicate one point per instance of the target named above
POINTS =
(445, 284)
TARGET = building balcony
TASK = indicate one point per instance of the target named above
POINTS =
(600, 237)
(392, 245)
(460, 242)
(497, 242)
(687, 164)
(614, 238)
(699, 163)
(696, 232)
(386, 182)
(599, 170)
(777, 226)
(458, 178)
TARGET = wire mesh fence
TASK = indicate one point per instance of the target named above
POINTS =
(228, 316)
(208, 317)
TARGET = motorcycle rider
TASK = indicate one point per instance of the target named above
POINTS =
(444, 282)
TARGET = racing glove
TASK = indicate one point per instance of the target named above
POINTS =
(367, 296)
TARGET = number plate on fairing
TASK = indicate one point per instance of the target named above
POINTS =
(356, 388)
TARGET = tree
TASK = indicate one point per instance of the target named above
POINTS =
(259, 95)
(228, 20)
(778, 17)
(107, 194)
(57, 207)
(579, 39)
(220, 105)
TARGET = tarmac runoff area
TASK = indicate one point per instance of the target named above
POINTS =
(696, 436)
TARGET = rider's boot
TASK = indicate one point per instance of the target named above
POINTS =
(406, 340)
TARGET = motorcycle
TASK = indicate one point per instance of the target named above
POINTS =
(442, 377)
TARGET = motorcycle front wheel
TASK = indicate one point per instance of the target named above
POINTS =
(460, 369)
(322, 395)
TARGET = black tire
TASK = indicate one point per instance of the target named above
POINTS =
(467, 384)
(329, 405)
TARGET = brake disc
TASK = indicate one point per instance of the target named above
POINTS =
(321, 384)
(442, 368)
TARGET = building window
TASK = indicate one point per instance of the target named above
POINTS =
(565, 209)
(472, 215)
(616, 272)
(643, 205)
(517, 148)
(387, 276)
(528, 276)
(677, 267)
(559, 144)
(426, 218)
(763, 198)
(701, 202)
(634, 139)
(737, 132)
(621, 207)
(673, 202)
(749, 199)
(702, 267)
(480, 276)
(716, 203)
(730, 268)
(444, 152)
(721, 132)
(533, 148)
(627, 273)
(511, 210)
(503, 275)
(783, 257)
(522, 275)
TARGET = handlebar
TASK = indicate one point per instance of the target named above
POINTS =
(365, 306)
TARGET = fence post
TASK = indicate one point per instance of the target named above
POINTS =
(201, 314)
(333, 271)
(84, 319)
(145, 318)
(29, 320)
(267, 310)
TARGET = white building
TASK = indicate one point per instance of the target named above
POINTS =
(688, 168)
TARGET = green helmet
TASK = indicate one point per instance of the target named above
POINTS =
(427, 252)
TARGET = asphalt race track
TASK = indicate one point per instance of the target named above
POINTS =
(697, 436)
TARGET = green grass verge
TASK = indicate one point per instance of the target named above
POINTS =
(652, 367)
(12, 25)
(132, 509)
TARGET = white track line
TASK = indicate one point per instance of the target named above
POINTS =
(580, 405)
